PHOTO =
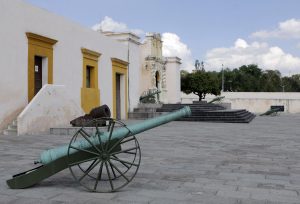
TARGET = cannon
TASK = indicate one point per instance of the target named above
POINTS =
(149, 96)
(101, 159)
(97, 112)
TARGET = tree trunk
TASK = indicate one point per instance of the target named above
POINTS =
(200, 96)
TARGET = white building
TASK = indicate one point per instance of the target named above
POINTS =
(77, 67)
(155, 72)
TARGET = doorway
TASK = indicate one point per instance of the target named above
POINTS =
(119, 89)
(157, 80)
(118, 96)
(38, 74)
(157, 85)
(40, 62)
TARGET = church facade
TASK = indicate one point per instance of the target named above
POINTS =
(54, 70)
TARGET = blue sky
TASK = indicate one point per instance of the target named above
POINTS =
(229, 32)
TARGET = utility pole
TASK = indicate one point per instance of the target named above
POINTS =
(222, 78)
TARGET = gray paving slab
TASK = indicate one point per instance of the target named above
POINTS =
(182, 162)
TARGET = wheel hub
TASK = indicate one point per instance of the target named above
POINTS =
(104, 156)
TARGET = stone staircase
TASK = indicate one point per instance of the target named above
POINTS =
(145, 111)
(195, 107)
(211, 113)
(201, 111)
(12, 128)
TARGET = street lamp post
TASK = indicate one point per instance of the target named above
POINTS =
(222, 78)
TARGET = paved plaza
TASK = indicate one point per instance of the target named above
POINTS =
(182, 162)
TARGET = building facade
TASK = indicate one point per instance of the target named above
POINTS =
(158, 72)
(44, 57)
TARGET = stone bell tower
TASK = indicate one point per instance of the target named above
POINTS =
(153, 70)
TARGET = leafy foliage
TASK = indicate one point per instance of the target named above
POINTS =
(200, 83)
(250, 78)
(247, 78)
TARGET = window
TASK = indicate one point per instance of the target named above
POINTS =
(89, 70)
(90, 93)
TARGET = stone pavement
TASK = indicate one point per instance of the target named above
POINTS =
(182, 162)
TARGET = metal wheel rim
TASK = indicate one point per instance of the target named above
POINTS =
(110, 162)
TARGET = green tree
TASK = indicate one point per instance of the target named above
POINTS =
(200, 83)
(249, 76)
(291, 84)
(271, 81)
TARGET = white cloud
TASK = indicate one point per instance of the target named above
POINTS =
(172, 46)
(108, 24)
(243, 53)
(286, 29)
(240, 43)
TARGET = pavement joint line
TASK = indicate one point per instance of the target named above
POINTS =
(182, 162)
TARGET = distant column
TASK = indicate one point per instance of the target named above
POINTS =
(173, 79)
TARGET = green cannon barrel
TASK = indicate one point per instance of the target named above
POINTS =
(59, 152)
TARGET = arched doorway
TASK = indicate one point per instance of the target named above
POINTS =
(157, 84)
(157, 80)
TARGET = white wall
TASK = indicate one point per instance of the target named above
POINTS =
(256, 102)
(17, 18)
(259, 102)
(132, 43)
(52, 106)
(134, 74)
(173, 80)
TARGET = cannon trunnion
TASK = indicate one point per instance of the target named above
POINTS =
(102, 158)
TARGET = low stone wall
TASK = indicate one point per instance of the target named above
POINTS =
(51, 107)
(256, 102)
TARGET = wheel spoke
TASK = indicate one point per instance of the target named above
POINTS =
(119, 141)
(110, 133)
(83, 161)
(108, 128)
(112, 169)
(128, 140)
(99, 138)
(88, 171)
(119, 171)
(89, 141)
(91, 164)
(126, 162)
(109, 177)
(84, 150)
(99, 175)
(121, 162)
(124, 151)
(127, 152)
(75, 136)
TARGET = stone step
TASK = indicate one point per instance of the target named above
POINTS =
(220, 113)
(245, 118)
(70, 130)
(143, 115)
(190, 104)
(144, 109)
(192, 109)
(15, 122)
(200, 112)
(12, 127)
(10, 132)
(217, 118)
(151, 105)
(244, 115)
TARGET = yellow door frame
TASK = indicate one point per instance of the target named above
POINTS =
(119, 67)
(39, 46)
(90, 96)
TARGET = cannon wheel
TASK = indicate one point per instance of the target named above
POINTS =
(112, 165)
